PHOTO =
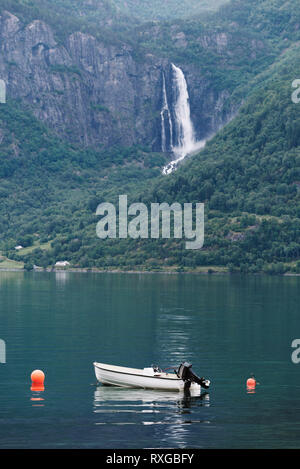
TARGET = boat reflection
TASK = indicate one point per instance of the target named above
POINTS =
(170, 414)
(117, 397)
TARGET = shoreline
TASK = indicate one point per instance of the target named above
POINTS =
(130, 272)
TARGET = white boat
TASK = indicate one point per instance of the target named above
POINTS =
(150, 378)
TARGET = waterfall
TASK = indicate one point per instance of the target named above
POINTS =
(165, 112)
(184, 126)
(184, 131)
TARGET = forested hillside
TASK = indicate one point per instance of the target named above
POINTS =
(167, 9)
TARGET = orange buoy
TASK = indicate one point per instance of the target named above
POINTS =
(251, 383)
(37, 378)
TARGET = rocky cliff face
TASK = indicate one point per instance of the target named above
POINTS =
(95, 94)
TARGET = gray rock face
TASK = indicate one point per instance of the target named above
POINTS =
(94, 94)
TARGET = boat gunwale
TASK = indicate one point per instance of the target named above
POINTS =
(175, 378)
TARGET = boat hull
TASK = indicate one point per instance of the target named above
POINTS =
(136, 378)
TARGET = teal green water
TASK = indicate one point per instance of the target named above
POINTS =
(227, 326)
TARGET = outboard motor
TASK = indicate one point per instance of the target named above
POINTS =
(186, 374)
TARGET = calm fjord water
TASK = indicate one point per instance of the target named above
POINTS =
(227, 326)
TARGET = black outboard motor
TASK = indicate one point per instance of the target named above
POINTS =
(185, 373)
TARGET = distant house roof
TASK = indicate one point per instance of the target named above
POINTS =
(62, 263)
(19, 247)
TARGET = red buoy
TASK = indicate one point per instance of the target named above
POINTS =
(251, 383)
(37, 378)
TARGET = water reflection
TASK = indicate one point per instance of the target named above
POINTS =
(61, 277)
(251, 390)
(169, 414)
(37, 399)
(108, 400)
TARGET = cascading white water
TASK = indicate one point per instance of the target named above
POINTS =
(165, 111)
(184, 126)
(184, 131)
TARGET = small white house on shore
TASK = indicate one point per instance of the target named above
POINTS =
(18, 248)
(62, 264)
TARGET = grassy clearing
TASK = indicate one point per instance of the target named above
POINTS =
(10, 264)
(29, 249)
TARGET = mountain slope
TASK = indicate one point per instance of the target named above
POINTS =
(99, 17)
(248, 175)
(256, 151)
(96, 79)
